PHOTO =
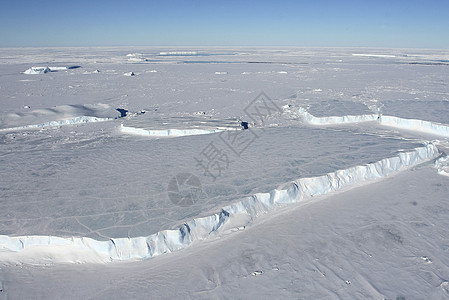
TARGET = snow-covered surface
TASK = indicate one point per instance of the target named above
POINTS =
(352, 209)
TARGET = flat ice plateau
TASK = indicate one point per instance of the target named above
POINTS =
(224, 173)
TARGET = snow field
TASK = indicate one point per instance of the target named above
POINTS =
(302, 212)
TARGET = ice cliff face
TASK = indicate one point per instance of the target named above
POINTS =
(416, 125)
(333, 120)
(391, 121)
(167, 132)
(72, 121)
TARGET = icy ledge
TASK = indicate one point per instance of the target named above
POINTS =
(333, 120)
(391, 121)
(170, 132)
(42, 249)
(416, 125)
(72, 121)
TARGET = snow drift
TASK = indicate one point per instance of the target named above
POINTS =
(38, 249)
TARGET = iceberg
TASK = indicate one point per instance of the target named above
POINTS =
(232, 217)
(37, 70)
(390, 121)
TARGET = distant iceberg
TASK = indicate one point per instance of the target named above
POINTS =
(179, 53)
(43, 70)
(37, 70)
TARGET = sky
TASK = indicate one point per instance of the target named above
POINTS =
(312, 23)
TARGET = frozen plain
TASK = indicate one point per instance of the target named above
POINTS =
(84, 178)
